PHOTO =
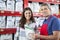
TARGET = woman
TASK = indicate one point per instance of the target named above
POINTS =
(50, 28)
(27, 24)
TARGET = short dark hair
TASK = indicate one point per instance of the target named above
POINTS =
(23, 19)
(45, 4)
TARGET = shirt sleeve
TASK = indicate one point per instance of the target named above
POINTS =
(55, 25)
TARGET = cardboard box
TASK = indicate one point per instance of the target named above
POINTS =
(36, 6)
(55, 9)
(2, 22)
(2, 5)
(19, 6)
(10, 5)
(10, 22)
(18, 0)
(17, 19)
(31, 6)
(6, 37)
(40, 21)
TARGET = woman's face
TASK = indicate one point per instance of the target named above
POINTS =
(27, 14)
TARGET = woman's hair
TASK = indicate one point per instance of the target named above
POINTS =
(23, 19)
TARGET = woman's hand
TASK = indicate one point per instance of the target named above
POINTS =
(34, 36)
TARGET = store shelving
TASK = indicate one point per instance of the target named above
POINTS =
(16, 13)
(42, 1)
(10, 13)
(7, 30)
(47, 1)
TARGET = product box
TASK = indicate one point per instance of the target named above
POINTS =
(6, 37)
(19, 6)
(2, 5)
(36, 6)
(40, 21)
(2, 21)
(55, 9)
(0, 0)
(10, 5)
(17, 19)
(18, 0)
(4, 0)
(31, 6)
(10, 22)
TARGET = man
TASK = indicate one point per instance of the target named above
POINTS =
(50, 27)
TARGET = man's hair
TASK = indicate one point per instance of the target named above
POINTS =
(45, 4)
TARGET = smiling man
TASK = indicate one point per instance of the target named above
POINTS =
(50, 28)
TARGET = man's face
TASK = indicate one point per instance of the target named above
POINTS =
(45, 11)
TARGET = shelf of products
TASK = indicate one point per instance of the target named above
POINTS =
(15, 11)
(31, 4)
(10, 13)
(47, 1)
(7, 30)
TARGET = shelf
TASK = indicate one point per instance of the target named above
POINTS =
(7, 30)
(10, 13)
(37, 14)
(40, 15)
(46, 1)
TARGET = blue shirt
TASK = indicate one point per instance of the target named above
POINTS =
(53, 24)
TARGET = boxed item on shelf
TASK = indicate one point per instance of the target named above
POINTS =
(36, 6)
(18, 0)
(10, 22)
(0, 0)
(2, 5)
(40, 21)
(31, 6)
(4, 0)
(10, 5)
(2, 22)
(19, 6)
(17, 19)
(6, 37)
(55, 9)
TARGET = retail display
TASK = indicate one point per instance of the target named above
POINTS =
(2, 22)
(10, 15)
(10, 22)
(19, 6)
(2, 5)
(6, 37)
(17, 19)
(10, 5)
